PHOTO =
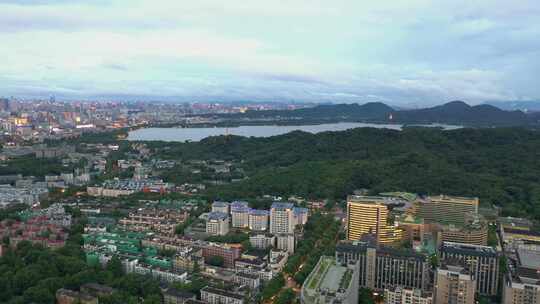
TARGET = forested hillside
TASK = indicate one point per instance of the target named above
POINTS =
(500, 165)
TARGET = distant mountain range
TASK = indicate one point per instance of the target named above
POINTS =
(525, 106)
(455, 112)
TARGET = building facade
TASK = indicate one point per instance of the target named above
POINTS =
(370, 215)
(217, 224)
(282, 218)
(455, 285)
(482, 261)
(383, 267)
(258, 220)
(399, 295)
(447, 209)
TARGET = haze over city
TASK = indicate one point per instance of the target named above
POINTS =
(398, 52)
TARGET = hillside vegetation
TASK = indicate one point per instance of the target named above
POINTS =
(500, 165)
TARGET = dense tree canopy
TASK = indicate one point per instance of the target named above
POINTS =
(499, 165)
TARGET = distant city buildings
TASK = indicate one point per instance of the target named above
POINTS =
(116, 187)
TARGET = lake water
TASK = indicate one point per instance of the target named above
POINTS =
(196, 134)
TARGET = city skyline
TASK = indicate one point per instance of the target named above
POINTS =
(401, 53)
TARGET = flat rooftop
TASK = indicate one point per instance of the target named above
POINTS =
(329, 276)
(468, 249)
(529, 258)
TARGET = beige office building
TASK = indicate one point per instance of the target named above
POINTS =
(446, 209)
(369, 215)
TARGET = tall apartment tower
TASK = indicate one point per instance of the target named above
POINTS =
(482, 262)
(454, 284)
(282, 218)
(369, 215)
(240, 214)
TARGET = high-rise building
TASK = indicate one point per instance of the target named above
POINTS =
(331, 282)
(258, 220)
(281, 218)
(399, 295)
(286, 242)
(219, 206)
(240, 214)
(481, 261)
(370, 215)
(454, 284)
(300, 215)
(384, 267)
(446, 209)
(217, 224)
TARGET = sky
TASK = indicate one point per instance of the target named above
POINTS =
(402, 52)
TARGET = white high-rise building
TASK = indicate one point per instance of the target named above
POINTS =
(300, 215)
(258, 220)
(240, 214)
(219, 206)
(282, 218)
(217, 224)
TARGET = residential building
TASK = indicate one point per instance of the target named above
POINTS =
(370, 215)
(262, 241)
(240, 214)
(399, 295)
(473, 231)
(219, 206)
(286, 242)
(384, 267)
(522, 281)
(482, 262)
(331, 282)
(188, 258)
(213, 295)
(258, 220)
(281, 218)
(300, 215)
(454, 284)
(159, 273)
(253, 281)
(217, 223)
(227, 252)
(175, 296)
(278, 259)
(162, 221)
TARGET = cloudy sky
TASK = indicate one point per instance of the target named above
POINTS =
(395, 51)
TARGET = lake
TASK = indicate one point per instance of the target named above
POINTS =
(196, 134)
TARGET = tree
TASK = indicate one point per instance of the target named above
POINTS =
(286, 297)
(365, 296)
(115, 267)
(273, 287)
(216, 261)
